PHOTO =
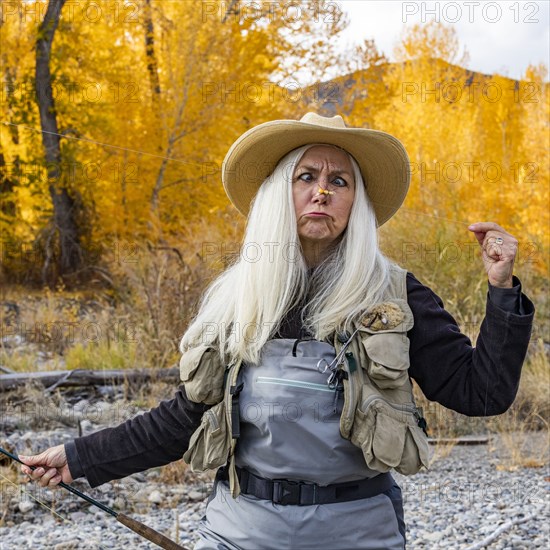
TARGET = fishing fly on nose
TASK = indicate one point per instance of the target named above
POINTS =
(322, 191)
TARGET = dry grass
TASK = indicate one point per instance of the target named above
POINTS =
(159, 295)
(9, 487)
(445, 423)
(529, 413)
(138, 323)
(173, 473)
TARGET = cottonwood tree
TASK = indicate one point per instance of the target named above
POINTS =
(65, 229)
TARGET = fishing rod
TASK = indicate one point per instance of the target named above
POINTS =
(136, 526)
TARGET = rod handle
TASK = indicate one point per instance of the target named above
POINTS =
(148, 533)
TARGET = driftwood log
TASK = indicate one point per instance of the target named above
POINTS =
(464, 440)
(82, 377)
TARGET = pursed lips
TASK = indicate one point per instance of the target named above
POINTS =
(316, 214)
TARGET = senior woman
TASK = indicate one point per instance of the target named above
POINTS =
(297, 368)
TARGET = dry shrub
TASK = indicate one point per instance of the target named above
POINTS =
(162, 292)
(173, 473)
(159, 293)
(532, 404)
(50, 323)
(9, 488)
(138, 322)
(529, 413)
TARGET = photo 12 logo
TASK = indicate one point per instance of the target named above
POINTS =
(469, 92)
(288, 13)
(74, 11)
(455, 12)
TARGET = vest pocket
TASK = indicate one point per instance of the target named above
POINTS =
(390, 437)
(209, 444)
(204, 384)
(388, 354)
(384, 339)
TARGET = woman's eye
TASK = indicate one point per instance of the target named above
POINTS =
(340, 182)
(306, 176)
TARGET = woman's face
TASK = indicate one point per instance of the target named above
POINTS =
(323, 188)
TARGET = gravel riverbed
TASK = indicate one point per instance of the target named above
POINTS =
(472, 497)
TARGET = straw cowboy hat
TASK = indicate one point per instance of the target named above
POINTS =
(382, 159)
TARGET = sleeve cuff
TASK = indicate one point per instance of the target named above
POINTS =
(511, 300)
(507, 299)
(73, 461)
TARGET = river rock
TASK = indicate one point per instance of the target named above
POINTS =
(155, 497)
(26, 506)
(195, 495)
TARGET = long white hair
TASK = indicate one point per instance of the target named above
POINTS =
(245, 305)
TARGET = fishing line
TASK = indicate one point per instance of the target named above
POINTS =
(140, 528)
(420, 213)
(43, 504)
(145, 153)
(88, 140)
(36, 499)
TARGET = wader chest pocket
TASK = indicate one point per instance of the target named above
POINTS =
(206, 385)
(390, 437)
(209, 444)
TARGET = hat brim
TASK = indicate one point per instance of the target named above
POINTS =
(382, 159)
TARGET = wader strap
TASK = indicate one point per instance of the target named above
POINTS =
(235, 416)
(351, 362)
(301, 493)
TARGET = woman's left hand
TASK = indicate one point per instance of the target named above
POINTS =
(498, 250)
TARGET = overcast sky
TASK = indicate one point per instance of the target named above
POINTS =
(500, 36)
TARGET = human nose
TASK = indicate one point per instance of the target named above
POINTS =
(320, 195)
(323, 191)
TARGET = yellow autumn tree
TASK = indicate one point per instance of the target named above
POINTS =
(148, 95)
(531, 174)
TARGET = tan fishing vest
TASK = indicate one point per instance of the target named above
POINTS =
(379, 414)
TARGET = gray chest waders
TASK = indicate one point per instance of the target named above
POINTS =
(302, 484)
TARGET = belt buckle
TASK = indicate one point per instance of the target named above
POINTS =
(286, 492)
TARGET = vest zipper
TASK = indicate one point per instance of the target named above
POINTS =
(292, 383)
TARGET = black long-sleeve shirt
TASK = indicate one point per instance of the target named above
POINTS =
(478, 381)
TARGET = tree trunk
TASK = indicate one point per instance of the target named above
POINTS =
(7, 185)
(232, 9)
(70, 251)
(152, 65)
(176, 134)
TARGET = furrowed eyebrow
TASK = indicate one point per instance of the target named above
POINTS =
(314, 169)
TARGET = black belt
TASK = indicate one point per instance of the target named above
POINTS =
(302, 493)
